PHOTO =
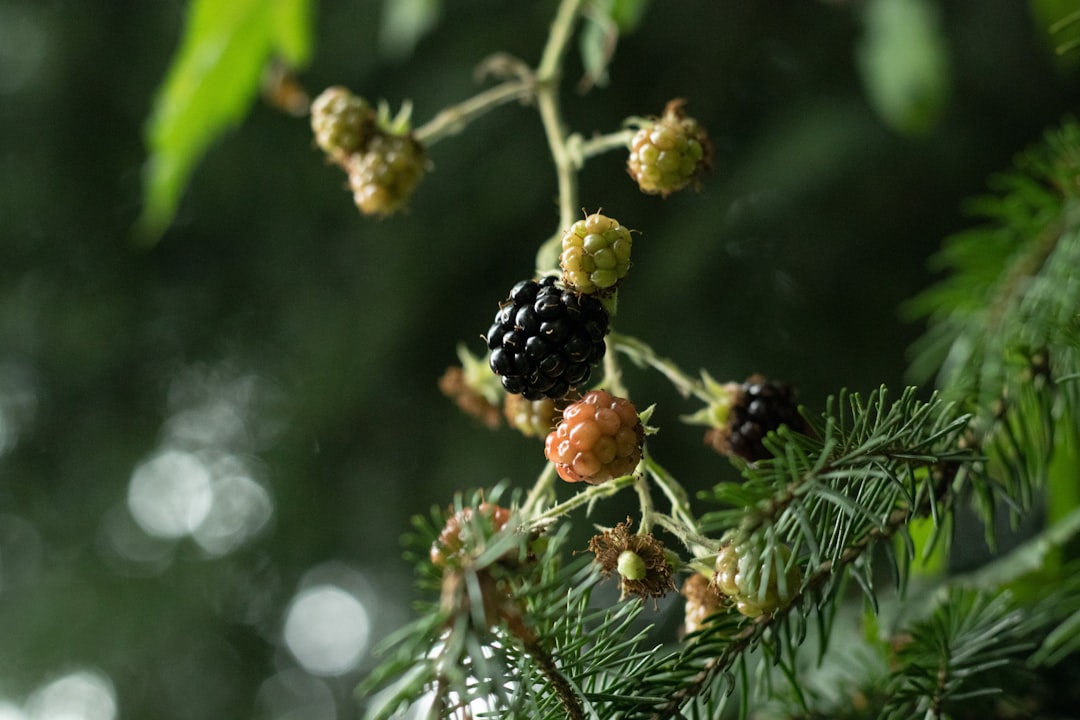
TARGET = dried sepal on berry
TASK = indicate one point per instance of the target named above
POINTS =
(595, 255)
(639, 561)
(599, 438)
(670, 153)
(471, 386)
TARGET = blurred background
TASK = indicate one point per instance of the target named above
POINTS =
(210, 448)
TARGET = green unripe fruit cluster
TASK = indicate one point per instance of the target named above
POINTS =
(384, 175)
(383, 160)
(669, 154)
(755, 587)
(341, 122)
(595, 254)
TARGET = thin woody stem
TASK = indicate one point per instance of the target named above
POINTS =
(547, 99)
(454, 119)
(593, 492)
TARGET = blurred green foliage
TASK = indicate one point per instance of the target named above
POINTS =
(273, 328)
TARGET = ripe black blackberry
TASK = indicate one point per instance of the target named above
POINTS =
(546, 339)
(759, 406)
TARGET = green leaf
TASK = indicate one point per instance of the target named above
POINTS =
(403, 23)
(210, 86)
(604, 22)
(904, 65)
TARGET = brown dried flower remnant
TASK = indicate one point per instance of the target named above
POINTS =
(703, 598)
(454, 385)
(638, 560)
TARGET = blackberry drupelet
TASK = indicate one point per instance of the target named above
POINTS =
(760, 406)
(546, 339)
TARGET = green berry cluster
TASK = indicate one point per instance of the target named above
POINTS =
(384, 176)
(670, 153)
(595, 255)
(384, 163)
(756, 588)
(342, 123)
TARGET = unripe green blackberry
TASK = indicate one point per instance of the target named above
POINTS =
(342, 122)
(595, 255)
(670, 153)
(545, 339)
(532, 418)
(756, 588)
(754, 408)
(598, 438)
(384, 175)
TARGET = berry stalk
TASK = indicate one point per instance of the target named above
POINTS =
(454, 119)
(547, 99)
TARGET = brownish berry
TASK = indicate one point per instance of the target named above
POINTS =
(599, 438)
(453, 543)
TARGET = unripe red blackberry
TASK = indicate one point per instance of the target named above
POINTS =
(545, 339)
(669, 154)
(342, 122)
(598, 438)
(754, 408)
(384, 175)
(454, 540)
(595, 254)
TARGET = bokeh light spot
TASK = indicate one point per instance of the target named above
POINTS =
(83, 695)
(11, 712)
(295, 695)
(169, 494)
(240, 508)
(327, 630)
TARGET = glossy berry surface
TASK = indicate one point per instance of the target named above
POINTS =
(595, 254)
(759, 407)
(545, 340)
(384, 176)
(599, 438)
(763, 406)
(669, 154)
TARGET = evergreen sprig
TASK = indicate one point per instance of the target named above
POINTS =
(1003, 327)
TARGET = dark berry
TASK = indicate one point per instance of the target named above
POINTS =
(759, 406)
(545, 340)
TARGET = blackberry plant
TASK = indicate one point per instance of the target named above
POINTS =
(819, 517)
